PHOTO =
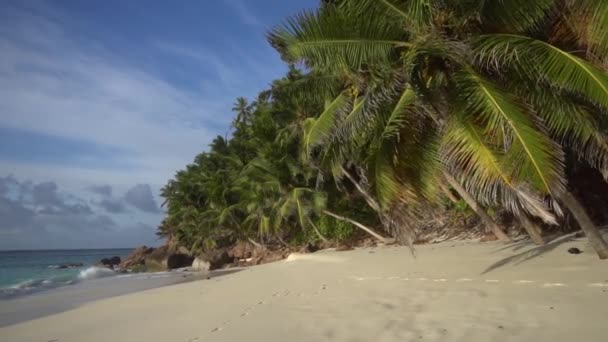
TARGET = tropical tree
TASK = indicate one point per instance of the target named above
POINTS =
(487, 94)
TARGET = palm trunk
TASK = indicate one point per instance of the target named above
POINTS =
(314, 227)
(383, 217)
(532, 229)
(448, 193)
(368, 198)
(584, 221)
(253, 242)
(359, 225)
(477, 208)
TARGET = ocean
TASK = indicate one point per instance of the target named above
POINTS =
(27, 272)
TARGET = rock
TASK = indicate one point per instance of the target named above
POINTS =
(309, 248)
(183, 250)
(574, 250)
(178, 260)
(218, 258)
(109, 262)
(242, 250)
(200, 265)
(137, 257)
(164, 258)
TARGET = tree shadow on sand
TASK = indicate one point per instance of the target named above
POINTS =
(531, 253)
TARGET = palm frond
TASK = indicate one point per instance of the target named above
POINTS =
(466, 152)
(333, 41)
(544, 62)
(318, 131)
(589, 19)
(531, 154)
(515, 15)
(397, 118)
(573, 126)
(414, 13)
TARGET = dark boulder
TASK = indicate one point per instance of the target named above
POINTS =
(219, 258)
(179, 260)
(109, 262)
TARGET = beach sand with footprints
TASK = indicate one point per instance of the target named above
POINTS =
(453, 291)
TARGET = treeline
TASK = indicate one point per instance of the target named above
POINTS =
(402, 104)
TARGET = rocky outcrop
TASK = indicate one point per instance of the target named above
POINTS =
(137, 258)
(156, 259)
(109, 262)
(218, 258)
(178, 260)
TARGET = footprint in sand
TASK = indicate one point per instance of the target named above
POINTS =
(216, 329)
(193, 339)
(554, 285)
(599, 285)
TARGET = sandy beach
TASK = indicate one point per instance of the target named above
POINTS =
(453, 291)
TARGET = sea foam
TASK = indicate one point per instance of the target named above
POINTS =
(95, 272)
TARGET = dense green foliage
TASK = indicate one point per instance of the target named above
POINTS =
(255, 185)
(400, 97)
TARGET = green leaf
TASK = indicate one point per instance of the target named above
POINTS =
(516, 15)
(544, 62)
(333, 40)
(531, 155)
(320, 130)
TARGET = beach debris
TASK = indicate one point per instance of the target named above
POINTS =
(574, 250)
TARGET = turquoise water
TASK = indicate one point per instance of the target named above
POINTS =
(24, 272)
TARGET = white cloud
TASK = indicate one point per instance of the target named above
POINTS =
(245, 14)
(51, 84)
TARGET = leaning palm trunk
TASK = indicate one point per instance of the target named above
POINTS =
(368, 198)
(384, 218)
(487, 220)
(446, 191)
(253, 242)
(532, 229)
(361, 226)
(584, 221)
(314, 227)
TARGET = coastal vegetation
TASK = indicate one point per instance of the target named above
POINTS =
(397, 111)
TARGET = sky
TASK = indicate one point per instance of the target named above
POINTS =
(101, 102)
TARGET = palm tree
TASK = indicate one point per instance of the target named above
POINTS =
(243, 112)
(485, 93)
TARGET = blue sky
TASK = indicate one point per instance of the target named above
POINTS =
(117, 95)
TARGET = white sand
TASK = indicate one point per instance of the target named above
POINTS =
(364, 295)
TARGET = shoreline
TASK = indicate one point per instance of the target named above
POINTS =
(22, 308)
(451, 291)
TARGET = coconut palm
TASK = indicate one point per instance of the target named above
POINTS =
(487, 93)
